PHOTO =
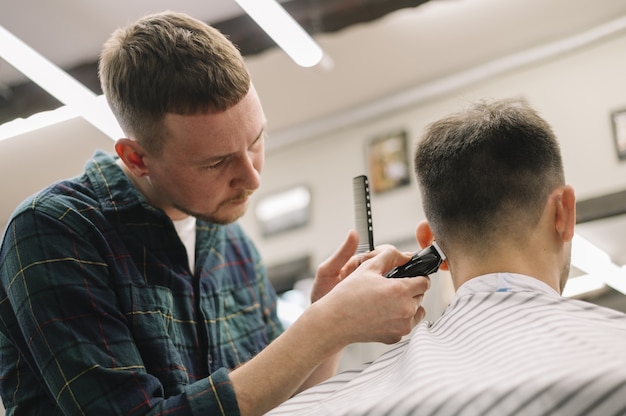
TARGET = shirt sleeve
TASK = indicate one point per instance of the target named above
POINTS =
(58, 317)
(213, 396)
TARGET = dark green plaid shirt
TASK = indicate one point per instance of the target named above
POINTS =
(100, 314)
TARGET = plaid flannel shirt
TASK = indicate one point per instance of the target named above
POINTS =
(100, 314)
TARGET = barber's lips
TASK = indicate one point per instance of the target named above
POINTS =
(241, 199)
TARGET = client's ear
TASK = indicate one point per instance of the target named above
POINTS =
(425, 237)
(566, 213)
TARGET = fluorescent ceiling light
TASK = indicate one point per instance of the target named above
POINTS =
(284, 30)
(58, 83)
(35, 122)
(43, 119)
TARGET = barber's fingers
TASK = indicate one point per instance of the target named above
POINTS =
(383, 258)
(418, 300)
(342, 254)
(420, 314)
(418, 285)
(358, 259)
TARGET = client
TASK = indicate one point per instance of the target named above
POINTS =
(496, 201)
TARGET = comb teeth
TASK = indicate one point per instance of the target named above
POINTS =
(363, 213)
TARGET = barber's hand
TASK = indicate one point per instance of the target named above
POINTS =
(367, 307)
(339, 265)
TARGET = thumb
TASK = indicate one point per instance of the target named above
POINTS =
(343, 253)
(388, 259)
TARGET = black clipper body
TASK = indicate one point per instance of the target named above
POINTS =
(423, 263)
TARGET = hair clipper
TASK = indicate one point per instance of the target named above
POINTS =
(423, 263)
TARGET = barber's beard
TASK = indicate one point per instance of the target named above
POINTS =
(227, 211)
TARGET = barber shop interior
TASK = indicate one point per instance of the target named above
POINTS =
(347, 95)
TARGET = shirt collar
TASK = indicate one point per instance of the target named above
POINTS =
(113, 188)
(504, 282)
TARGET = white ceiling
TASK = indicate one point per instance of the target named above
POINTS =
(404, 49)
(71, 32)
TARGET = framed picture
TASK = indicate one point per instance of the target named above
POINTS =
(388, 162)
(619, 132)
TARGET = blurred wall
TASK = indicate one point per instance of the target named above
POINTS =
(576, 92)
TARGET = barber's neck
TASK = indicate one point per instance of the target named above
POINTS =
(144, 186)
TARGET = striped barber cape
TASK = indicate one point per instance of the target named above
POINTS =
(507, 344)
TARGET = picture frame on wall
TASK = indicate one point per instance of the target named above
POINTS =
(618, 119)
(388, 162)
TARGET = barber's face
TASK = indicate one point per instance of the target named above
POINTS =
(210, 164)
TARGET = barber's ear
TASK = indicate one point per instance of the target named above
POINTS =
(425, 237)
(132, 154)
(565, 220)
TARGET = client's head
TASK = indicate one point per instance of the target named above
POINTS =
(487, 173)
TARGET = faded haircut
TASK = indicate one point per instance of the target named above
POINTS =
(169, 63)
(487, 172)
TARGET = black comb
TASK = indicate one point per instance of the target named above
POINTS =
(363, 214)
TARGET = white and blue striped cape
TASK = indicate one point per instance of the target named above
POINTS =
(507, 344)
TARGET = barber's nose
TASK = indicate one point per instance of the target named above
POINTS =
(249, 175)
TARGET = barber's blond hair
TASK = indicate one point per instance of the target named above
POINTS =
(169, 63)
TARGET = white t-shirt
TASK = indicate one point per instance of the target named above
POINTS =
(186, 229)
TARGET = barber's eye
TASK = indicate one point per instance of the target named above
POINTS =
(216, 164)
(258, 142)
